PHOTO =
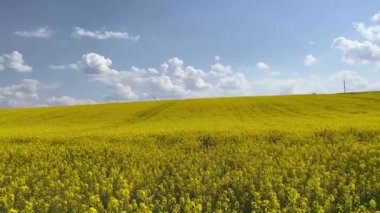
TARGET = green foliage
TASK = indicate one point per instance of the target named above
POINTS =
(317, 153)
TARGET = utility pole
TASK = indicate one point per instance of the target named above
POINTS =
(344, 86)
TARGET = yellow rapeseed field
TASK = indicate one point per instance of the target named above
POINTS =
(301, 153)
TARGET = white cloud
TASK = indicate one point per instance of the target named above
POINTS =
(41, 32)
(64, 67)
(355, 52)
(262, 66)
(20, 95)
(102, 34)
(99, 67)
(187, 78)
(266, 69)
(219, 69)
(371, 33)
(58, 67)
(187, 81)
(67, 100)
(14, 61)
(236, 81)
(376, 17)
(310, 60)
(365, 52)
(172, 79)
(93, 63)
(120, 92)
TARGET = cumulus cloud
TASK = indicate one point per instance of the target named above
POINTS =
(67, 100)
(14, 61)
(236, 81)
(355, 52)
(219, 69)
(266, 69)
(93, 63)
(20, 95)
(371, 33)
(376, 17)
(188, 77)
(90, 63)
(120, 92)
(172, 79)
(175, 79)
(41, 32)
(102, 34)
(227, 80)
(262, 66)
(310, 60)
(361, 52)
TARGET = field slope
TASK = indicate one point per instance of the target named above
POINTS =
(280, 153)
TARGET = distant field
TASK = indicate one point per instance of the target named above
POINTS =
(299, 153)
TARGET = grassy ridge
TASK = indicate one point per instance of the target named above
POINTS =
(310, 153)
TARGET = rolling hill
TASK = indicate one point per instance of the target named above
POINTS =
(286, 113)
(301, 153)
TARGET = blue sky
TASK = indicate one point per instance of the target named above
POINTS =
(81, 52)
